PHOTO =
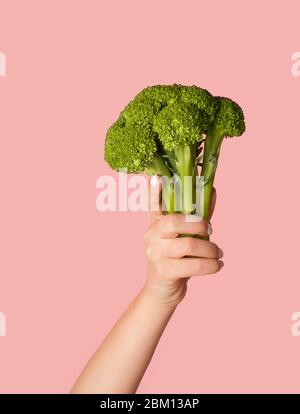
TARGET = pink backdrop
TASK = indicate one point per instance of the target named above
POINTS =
(67, 270)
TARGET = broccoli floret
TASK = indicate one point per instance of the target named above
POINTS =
(161, 95)
(229, 118)
(199, 97)
(129, 147)
(134, 148)
(140, 111)
(228, 122)
(179, 124)
(147, 104)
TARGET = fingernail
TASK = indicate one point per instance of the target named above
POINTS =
(221, 263)
(220, 253)
(192, 218)
(209, 229)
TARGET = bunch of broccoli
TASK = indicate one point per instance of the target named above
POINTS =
(170, 130)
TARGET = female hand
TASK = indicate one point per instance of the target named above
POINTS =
(172, 260)
(121, 360)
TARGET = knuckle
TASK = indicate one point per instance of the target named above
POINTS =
(153, 252)
(172, 222)
(148, 251)
(201, 227)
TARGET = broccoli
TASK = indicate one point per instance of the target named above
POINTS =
(134, 148)
(169, 130)
(228, 121)
(179, 127)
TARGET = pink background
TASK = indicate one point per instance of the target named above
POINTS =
(67, 271)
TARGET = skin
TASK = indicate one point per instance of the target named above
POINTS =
(121, 360)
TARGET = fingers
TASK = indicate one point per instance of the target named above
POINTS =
(188, 246)
(188, 267)
(171, 225)
(171, 257)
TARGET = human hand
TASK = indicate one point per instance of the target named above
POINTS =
(172, 260)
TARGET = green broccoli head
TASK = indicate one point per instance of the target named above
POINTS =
(229, 119)
(129, 147)
(180, 124)
(162, 95)
(199, 97)
(143, 108)
(140, 111)
(158, 133)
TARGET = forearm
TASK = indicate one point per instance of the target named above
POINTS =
(121, 360)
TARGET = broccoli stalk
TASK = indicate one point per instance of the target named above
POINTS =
(209, 164)
(159, 167)
(187, 167)
(228, 122)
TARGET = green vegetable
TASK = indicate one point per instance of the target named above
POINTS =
(163, 130)
(228, 121)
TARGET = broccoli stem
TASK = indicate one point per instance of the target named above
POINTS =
(159, 167)
(211, 154)
(187, 167)
(171, 160)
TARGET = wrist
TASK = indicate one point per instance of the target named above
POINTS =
(165, 295)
